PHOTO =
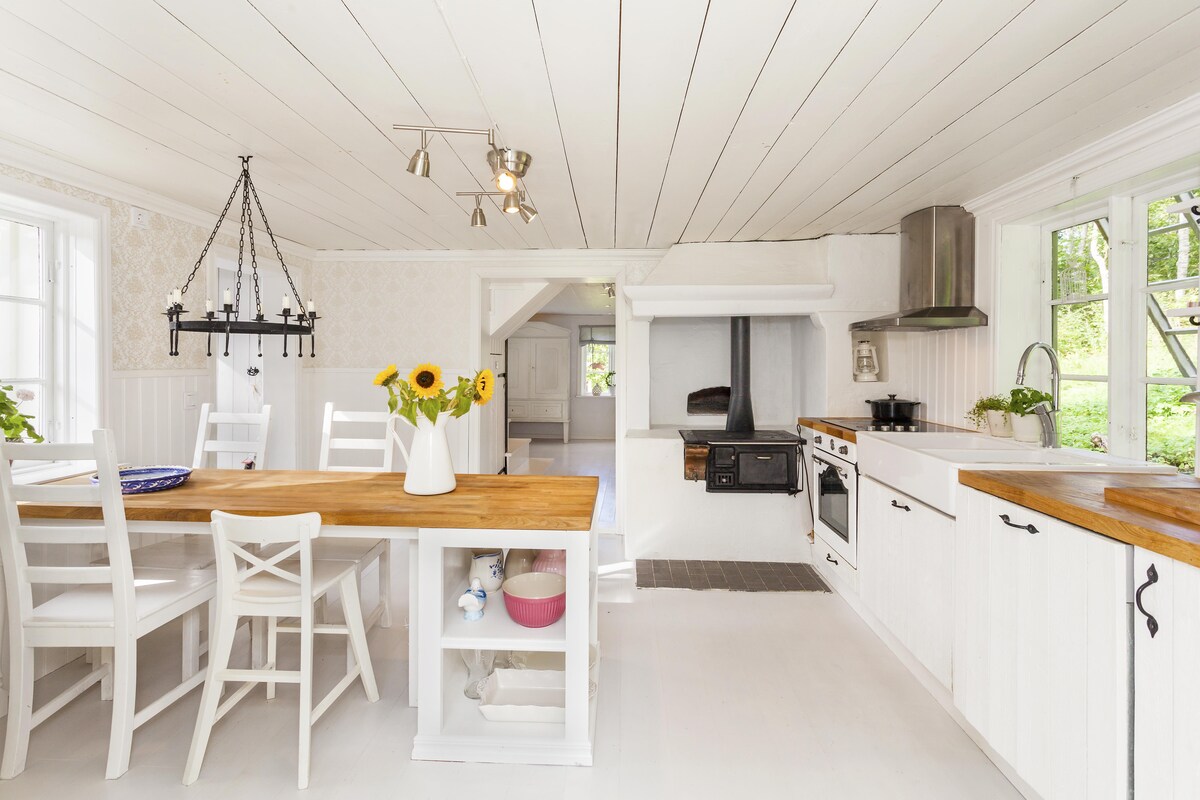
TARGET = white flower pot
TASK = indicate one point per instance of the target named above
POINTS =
(429, 469)
(1026, 428)
(999, 424)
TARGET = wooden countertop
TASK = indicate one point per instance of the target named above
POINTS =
(521, 502)
(822, 426)
(1078, 498)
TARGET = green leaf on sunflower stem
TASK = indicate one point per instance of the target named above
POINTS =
(431, 408)
(393, 403)
(409, 412)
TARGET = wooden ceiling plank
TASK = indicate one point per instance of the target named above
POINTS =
(330, 37)
(50, 125)
(432, 73)
(659, 41)
(885, 29)
(161, 95)
(1040, 138)
(510, 72)
(954, 33)
(719, 90)
(579, 43)
(1005, 119)
(808, 44)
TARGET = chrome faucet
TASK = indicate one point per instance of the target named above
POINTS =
(1049, 428)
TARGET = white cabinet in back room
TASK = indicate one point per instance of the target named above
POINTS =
(539, 375)
(1166, 669)
(1041, 646)
(905, 566)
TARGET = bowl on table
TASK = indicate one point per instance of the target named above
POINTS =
(140, 480)
(535, 599)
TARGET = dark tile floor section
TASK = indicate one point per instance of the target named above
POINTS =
(732, 576)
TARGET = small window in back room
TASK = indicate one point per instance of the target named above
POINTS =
(597, 359)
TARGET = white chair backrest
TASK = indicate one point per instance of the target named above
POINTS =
(256, 447)
(112, 530)
(386, 443)
(274, 541)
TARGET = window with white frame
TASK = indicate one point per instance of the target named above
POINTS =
(27, 317)
(597, 345)
(1119, 319)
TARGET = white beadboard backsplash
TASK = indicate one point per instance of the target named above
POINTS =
(949, 370)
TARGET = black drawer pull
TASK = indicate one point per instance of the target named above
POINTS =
(1011, 524)
(830, 559)
(1151, 622)
(897, 505)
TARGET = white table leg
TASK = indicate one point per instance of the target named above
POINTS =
(414, 572)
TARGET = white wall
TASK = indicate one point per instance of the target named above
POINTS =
(591, 417)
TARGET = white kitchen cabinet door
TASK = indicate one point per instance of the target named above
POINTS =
(1041, 658)
(520, 363)
(551, 361)
(1166, 687)
(874, 536)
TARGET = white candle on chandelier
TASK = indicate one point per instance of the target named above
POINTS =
(170, 300)
(208, 307)
(312, 306)
(178, 297)
(287, 307)
(228, 298)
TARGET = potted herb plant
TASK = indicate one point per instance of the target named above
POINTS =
(16, 426)
(992, 411)
(1025, 423)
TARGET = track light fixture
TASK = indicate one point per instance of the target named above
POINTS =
(478, 220)
(508, 167)
(514, 203)
(419, 163)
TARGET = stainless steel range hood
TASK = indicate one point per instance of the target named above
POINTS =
(937, 274)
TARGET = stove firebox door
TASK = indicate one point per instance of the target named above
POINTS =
(765, 468)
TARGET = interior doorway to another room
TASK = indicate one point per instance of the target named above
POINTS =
(245, 382)
(560, 393)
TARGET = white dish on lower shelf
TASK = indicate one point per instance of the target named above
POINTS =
(525, 695)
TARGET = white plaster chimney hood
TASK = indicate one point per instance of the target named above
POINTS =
(715, 279)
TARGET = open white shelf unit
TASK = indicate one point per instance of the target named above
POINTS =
(449, 725)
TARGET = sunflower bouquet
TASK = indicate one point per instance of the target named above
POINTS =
(424, 392)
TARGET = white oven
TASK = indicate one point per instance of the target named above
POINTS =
(835, 495)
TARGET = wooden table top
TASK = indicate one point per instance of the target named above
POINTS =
(1078, 498)
(519, 502)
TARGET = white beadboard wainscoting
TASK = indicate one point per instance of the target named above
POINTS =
(154, 414)
(948, 371)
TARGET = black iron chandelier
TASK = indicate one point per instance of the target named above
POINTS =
(227, 320)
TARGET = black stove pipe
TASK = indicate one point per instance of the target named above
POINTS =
(740, 417)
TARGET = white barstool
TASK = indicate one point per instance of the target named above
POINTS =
(277, 578)
(110, 606)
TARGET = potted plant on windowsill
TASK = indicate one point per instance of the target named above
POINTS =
(991, 411)
(16, 426)
(1025, 423)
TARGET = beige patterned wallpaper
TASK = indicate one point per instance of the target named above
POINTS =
(391, 312)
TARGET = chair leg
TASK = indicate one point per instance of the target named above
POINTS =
(385, 585)
(20, 709)
(306, 705)
(272, 651)
(191, 643)
(358, 637)
(120, 741)
(220, 633)
(106, 682)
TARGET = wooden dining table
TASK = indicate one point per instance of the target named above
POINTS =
(483, 511)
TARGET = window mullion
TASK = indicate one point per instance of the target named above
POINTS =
(1125, 411)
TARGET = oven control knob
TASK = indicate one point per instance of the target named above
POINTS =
(844, 450)
(817, 439)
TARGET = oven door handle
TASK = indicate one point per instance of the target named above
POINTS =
(838, 469)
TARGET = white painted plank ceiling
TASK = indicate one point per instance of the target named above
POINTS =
(650, 121)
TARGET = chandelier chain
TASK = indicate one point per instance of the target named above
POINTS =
(237, 302)
(212, 236)
(254, 264)
(301, 317)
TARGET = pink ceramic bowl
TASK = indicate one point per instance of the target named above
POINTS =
(536, 599)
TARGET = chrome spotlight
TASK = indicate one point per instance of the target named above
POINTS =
(512, 203)
(478, 220)
(527, 212)
(419, 163)
(508, 166)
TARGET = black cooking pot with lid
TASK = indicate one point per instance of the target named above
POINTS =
(893, 410)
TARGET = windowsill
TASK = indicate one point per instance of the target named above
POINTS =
(590, 396)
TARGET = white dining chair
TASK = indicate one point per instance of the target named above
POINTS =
(362, 551)
(265, 568)
(110, 606)
(256, 447)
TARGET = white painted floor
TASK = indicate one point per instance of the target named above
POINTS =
(581, 457)
(702, 695)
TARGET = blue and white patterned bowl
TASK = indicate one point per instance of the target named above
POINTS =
(140, 480)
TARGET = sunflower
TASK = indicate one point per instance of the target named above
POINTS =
(426, 380)
(485, 387)
(386, 375)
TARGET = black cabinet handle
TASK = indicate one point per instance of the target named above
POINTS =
(897, 505)
(830, 559)
(1004, 518)
(1151, 622)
